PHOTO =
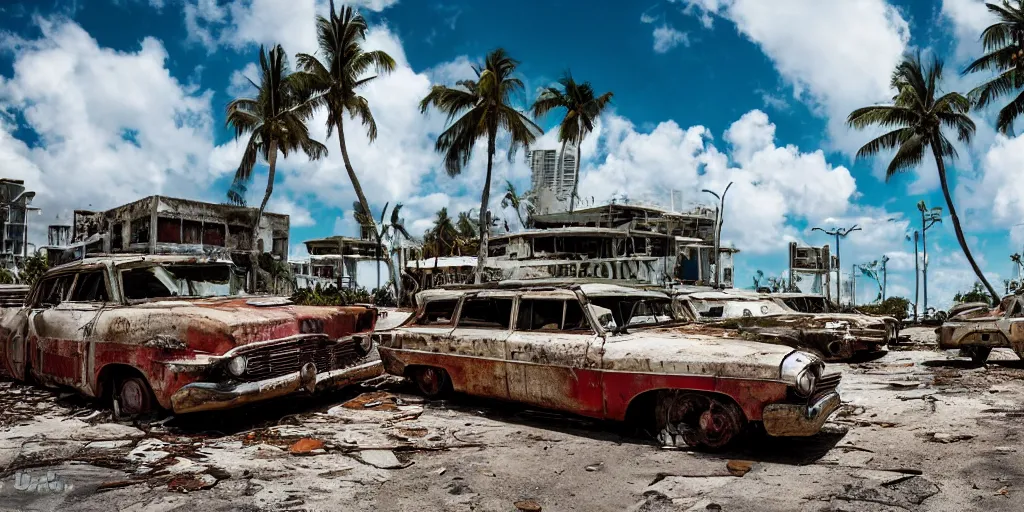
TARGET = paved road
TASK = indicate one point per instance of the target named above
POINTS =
(922, 430)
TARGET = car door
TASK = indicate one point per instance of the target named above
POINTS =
(477, 346)
(65, 332)
(553, 355)
(1012, 325)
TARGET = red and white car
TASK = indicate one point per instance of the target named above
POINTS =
(609, 352)
(176, 332)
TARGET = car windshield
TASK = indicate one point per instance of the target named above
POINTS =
(617, 312)
(202, 280)
(726, 308)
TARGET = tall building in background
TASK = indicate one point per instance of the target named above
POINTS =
(552, 186)
(14, 208)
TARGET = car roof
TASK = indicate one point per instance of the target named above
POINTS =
(563, 290)
(127, 259)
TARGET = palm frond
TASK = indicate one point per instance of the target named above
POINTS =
(908, 157)
(1009, 114)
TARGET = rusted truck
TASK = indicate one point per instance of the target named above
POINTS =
(177, 333)
(610, 352)
(830, 336)
(975, 328)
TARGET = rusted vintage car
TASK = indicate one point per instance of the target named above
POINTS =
(976, 328)
(830, 336)
(176, 332)
(610, 352)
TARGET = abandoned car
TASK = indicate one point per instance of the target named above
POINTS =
(611, 352)
(176, 332)
(975, 328)
(830, 336)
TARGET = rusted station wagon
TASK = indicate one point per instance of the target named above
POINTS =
(976, 328)
(830, 336)
(607, 351)
(177, 332)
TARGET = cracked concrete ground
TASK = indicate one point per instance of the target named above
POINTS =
(921, 430)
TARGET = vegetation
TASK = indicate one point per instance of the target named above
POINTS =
(518, 202)
(1003, 43)
(333, 296)
(392, 231)
(479, 109)
(977, 293)
(917, 117)
(35, 267)
(895, 307)
(333, 84)
(275, 120)
(582, 109)
(449, 237)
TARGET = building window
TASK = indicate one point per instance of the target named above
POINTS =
(140, 231)
(117, 237)
(191, 232)
(168, 230)
(240, 237)
(281, 247)
(213, 234)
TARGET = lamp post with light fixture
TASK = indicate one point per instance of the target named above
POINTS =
(838, 233)
(928, 219)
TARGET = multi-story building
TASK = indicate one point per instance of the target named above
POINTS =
(334, 261)
(162, 225)
(552, 186)
(15, 203)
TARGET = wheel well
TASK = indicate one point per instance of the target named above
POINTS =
(640, 411)
(110, 373)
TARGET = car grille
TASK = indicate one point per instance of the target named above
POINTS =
(288, 357)
(826, 385)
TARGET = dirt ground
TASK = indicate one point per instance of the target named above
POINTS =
(921, 430)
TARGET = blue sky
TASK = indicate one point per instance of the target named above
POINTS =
(107, 101)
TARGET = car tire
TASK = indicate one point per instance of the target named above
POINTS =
(696, 419)
(432, 382)
(132, 396)
(978, 355)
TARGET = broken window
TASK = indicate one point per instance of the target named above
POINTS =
(489, 312)
(91, 287)
(140, 231)
(550, 315)
(191, 232)
(213, 234)
(280, 247)
(142, 283)
(117, 237)
(1016, 311)
(438, 312)
(168, 230)
(52, 291)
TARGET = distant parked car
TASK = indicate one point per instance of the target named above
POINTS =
(830, 336)
(611, 352)
(975, 328)
(176, 332)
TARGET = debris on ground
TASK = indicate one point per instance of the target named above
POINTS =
(739, 467)
(382, 459)
(527, 506)
(192, 482)
(305, 446)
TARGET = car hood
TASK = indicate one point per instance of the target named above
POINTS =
(217, 325)
(674, 351)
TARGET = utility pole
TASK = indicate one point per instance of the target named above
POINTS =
(885, 259)
(838, 233)
(928, 219)
(853, 285)
(917, 275)
(719, 213)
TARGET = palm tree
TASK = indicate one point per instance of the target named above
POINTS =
(917, 118)
(1004, 43)
(442, 239)
(275, 120)
(334, 81)
(479, 109)
(518, 202)
(582, 109)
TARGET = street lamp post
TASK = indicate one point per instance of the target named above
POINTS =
(917, 275)
(838, 233)
(885, 259)
(928, 219)
(719, 214)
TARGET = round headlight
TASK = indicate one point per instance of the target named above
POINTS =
(237, 365)
(805, 381)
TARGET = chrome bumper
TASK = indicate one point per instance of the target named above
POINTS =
(796, 420)
(211, 396)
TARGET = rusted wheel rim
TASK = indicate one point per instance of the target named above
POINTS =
(430, 381)
(133, 397)
(718, 424)
(697, 419)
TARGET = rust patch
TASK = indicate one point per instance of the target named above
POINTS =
(377, 401)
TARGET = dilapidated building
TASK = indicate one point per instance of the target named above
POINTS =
(166, 225)
(334, 261)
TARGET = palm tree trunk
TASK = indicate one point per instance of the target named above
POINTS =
(481, 256)
(956, 224)
(272, 162)
(366, 208)
(576, 181)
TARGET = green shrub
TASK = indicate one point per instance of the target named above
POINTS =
(895, 307)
